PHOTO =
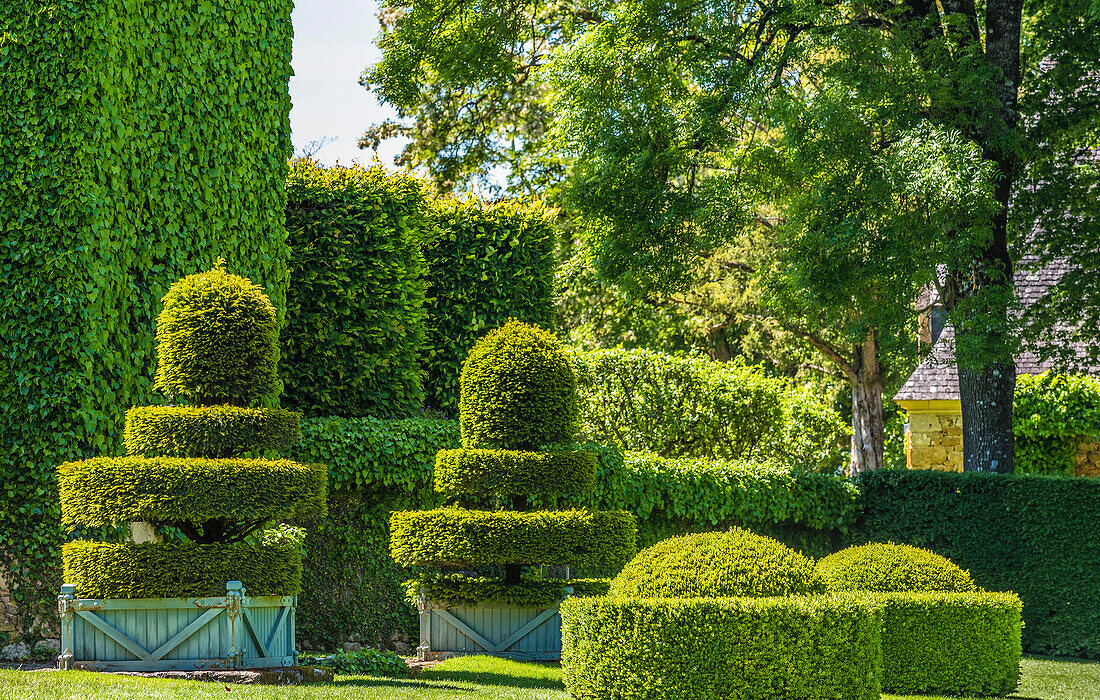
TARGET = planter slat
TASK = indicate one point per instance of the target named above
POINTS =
(158, 634)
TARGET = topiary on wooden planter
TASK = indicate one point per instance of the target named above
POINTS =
(216, 348)
(518, 396)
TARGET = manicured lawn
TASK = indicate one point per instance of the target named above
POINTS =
(470, 677)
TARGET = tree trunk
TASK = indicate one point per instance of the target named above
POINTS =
(868, 435)
(986, 398)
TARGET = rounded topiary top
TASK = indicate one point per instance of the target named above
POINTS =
(892, 567)
(517, 390)
(217, 340)
(717, 564)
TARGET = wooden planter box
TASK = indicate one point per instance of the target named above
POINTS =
(177, 634)
(525, 633)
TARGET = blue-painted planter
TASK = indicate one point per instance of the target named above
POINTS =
(510, 631)
(234, 631)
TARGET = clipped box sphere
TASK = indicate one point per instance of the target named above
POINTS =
(892, 567)
(217, 340)
(517, 390)
(717, 564)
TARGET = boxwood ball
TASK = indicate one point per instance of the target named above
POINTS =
(717, 564)
(517, 390)
(892, 567)
(217, 340)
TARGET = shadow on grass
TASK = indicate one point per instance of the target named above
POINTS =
(408, 683)
(489, 678)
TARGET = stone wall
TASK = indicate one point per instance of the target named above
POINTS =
(1088, 459)
(934, 441)
(5, 605)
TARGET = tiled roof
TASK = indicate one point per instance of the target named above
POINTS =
(937, 377)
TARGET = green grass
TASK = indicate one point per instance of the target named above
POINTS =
(468, 678)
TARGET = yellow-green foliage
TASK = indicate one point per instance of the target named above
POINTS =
(354, 341)
(459, 537)
(112, 490)
(518, 390)
(472, 475)
(796, 648)
(892, 567)
(734, 563)
(951, 643)
(217, 340)
(172, 570)
(139, 141)
(208, 431)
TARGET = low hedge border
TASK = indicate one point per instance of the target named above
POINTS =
(460, 537)
(110, 490)
(458, 590)
(951, 643)
(174, 570)
(544, 475)
(796, 648)
(208, 431)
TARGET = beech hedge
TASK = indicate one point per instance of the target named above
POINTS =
(112, 490)
(459, 537)
(208, 431)
(173, 570)
(542, 475)
(796, 648)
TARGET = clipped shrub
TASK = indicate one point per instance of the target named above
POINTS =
(216, 431)
(354, 342)
(457, 590)
(459, 537)
(643, 400)
(472, 474)
(491, 263)
(1027, 534)
(951, 643)
(716, 564)
(102, 207)
(172, 490)
(796, 648)
(217, 340)
(1051, 414)
(180, 570)
(518, 390)
(892, 567)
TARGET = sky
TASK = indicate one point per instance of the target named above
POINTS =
(333, 43)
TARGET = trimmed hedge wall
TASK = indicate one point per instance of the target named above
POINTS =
(129, 158)
(798, 648)
(173, 570)
(355, 336)
(1034, 535)
(950, 643)
(115, 490)
(209, 431)
(459, 537)
(377, 466)
(491, 263)
(506, 473)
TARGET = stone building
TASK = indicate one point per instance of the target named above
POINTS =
(930, 397)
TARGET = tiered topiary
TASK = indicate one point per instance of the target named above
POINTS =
(189, 466)
(517, 396)
(940, 632)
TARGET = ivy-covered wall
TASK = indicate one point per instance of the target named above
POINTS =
(140, 140)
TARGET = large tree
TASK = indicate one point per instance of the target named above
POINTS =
(878, 144)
